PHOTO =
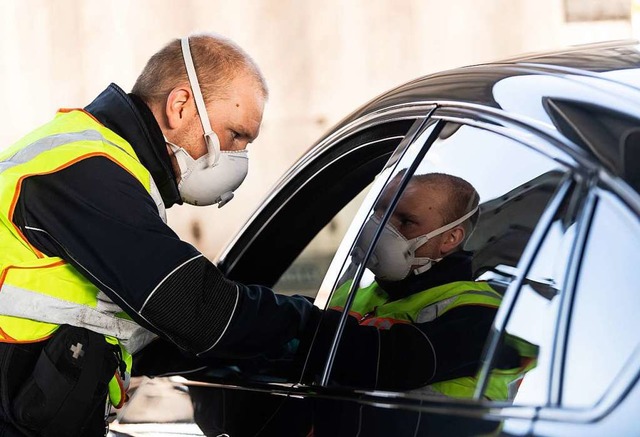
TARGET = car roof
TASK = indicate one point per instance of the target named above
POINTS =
(603, 75)
(610, 62)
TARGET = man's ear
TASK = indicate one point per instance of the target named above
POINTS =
(176, 106)
(451, 240)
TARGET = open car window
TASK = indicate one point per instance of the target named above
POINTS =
(305, 274)
(309, 201)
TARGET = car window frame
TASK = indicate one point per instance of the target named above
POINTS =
(227, 259)
(544, 142)
(411, 143)
(630, 375)
(341, 256)
(579, 167)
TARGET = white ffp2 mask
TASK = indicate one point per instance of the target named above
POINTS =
(204, 184)
(394, 255)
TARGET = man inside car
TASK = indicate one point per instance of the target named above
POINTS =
(422, 323)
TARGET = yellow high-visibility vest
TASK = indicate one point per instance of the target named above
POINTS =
(372, 307)
(38, 293)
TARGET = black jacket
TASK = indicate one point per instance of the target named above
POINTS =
(404, 357)
(99, 218)
(409, 356)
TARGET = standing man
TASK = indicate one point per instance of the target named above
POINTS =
(89, 270)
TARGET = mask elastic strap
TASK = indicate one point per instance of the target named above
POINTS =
(451, 225)
(422, 239)
(425, 264)
(179, 153)
(210, 137)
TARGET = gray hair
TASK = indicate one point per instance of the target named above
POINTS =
(218, 61)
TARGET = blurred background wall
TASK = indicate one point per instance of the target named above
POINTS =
(322, 59)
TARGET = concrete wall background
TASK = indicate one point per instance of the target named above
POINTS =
(321, 59)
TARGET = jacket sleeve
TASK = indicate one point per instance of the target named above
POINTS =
(99, 218)
(408, 355)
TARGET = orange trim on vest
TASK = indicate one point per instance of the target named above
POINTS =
(340, 309)
(9, 339)
(68, 110)
(125, 397)
(14, 201)
(6, 338)
(3, 275)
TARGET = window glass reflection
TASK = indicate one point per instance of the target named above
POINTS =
(531, 326)
(439, 266)
(604, 322)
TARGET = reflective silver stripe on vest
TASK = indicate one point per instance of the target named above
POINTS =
(50, 142)
(18, 302)
(431, 312)
(27, 304)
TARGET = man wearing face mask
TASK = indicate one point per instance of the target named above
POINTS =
(422, 324)
(90, 272)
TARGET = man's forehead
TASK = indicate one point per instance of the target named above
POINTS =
(416, 187)
(245, 106)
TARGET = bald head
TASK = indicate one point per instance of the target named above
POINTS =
(429, 202)
(459, 196)
(218, 62)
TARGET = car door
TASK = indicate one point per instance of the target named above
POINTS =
(288, 245)
(527, 185)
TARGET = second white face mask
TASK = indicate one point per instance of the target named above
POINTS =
(394, 256)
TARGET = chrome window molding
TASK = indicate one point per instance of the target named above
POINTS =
(512, 293)
(566, 299)
(418, 128)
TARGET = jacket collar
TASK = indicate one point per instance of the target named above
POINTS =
(128, 116)
(453, 268)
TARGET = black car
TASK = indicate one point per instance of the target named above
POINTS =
(551, 142)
